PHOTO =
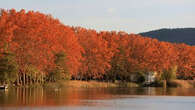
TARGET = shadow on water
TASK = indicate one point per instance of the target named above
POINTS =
(21, 97)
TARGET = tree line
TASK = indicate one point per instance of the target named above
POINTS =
(36, 48)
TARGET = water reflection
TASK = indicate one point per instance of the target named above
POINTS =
(17, 97)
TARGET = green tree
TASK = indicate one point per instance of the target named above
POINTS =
(61, 70)
(8, 68)
(33, 74)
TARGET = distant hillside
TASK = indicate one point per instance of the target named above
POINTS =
(178, 35)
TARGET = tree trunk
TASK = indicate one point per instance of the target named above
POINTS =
(18, 81)
(24, 79)
(31, 80)
(164, 83)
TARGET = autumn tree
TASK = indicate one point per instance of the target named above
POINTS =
(186, 61)
(97, 55)
(35, 38)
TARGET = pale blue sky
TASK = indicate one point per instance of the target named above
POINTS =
(131, 16)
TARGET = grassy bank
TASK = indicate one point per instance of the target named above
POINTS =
(88, 84)
(182, 83)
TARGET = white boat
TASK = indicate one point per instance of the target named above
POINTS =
(3, 87)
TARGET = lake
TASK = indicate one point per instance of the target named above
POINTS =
(97, 99)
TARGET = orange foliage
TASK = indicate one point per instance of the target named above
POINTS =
(35, 38)
(97, 54)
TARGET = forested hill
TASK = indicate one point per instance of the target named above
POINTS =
(178, 35)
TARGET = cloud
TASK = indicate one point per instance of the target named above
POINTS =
(173, 2)
(111, 10)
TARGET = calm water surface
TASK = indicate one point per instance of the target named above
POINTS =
(97, 99)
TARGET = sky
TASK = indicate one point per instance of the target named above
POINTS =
(131, 16)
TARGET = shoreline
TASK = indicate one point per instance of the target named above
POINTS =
(117, 84)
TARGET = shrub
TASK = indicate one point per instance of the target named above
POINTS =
(169, 74)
